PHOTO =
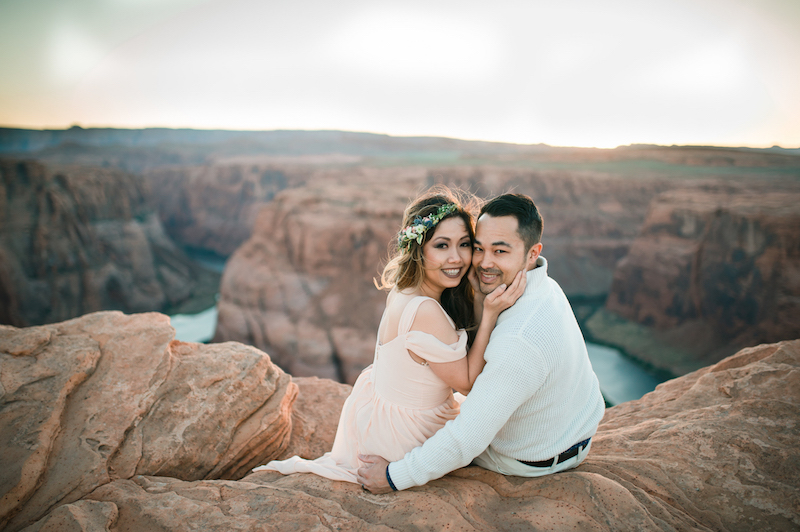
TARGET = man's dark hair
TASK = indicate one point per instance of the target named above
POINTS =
(523, 209)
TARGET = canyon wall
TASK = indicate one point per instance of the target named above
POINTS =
(209, 187)
(214, 207)
(710, 272)
(302, 287)
(75, 240)
(106, 423)
(308, 312)
(590, 217)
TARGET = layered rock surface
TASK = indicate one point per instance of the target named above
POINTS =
(214, 207)
(710, 272)
(109, 396)
(718, 449)
(717, 255)
(75, 240)
(301, 287)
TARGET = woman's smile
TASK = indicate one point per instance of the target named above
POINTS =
(455, 273)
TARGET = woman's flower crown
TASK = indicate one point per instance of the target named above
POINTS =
(418, 228)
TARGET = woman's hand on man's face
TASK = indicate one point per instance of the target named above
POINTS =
(472, 277)
(503, 297)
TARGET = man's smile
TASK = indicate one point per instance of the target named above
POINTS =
(488, 276)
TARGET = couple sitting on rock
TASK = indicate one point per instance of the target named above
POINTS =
(532, 400)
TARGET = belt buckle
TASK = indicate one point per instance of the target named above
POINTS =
(577, 448)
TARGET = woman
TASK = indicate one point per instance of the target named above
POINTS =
(406, 395)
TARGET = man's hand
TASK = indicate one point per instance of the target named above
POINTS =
(372, 475)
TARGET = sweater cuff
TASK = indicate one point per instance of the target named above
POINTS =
(400, 474)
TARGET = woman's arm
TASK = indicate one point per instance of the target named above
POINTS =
(493, 304)
(479, 298)
(461, 374)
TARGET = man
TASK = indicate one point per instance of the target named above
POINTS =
(537, 403)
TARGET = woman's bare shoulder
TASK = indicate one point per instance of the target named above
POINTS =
(431, 319)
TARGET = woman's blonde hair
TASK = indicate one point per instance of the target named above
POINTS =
(406, 268)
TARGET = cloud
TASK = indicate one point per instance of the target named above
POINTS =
(70, 53)
(399, 42)
(572, 72)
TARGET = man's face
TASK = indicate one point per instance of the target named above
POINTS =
(499, 252)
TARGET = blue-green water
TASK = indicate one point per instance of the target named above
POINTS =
(621, 379)
(195, 327)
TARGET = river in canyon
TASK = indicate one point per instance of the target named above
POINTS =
(621, 378)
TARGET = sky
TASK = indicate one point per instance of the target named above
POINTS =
(567, 73)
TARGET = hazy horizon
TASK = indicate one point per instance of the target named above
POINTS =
(178, 128)
(708, 73)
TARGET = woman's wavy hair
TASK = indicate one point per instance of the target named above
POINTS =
(406, 268)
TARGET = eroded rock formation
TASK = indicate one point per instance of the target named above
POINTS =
(711, 272)
(718, 449)
(109, 396)
(301, 288)
(76, 240)
(590, 217)
(214, 207)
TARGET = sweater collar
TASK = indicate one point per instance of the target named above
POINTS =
(536, 277)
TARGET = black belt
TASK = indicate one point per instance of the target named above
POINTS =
(566, 455)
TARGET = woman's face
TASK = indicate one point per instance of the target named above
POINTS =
(446, 256)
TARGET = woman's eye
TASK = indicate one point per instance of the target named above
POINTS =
(466, 245)
(441, 246)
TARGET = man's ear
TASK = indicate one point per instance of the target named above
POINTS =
(533, 254)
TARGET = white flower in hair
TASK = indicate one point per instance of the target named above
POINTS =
(418, 228)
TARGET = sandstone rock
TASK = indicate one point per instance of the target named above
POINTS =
(719, 444)
(590, 217)
(165, 504)
(110, 396)
(214, 207)
(304, 280)
(77, 240)
(301, 287)
(81, 516)
(718, 449)
(315, 416)
(711, 272)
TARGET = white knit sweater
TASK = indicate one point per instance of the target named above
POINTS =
(536, 397)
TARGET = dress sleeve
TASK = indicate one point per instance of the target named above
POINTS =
(434, 350)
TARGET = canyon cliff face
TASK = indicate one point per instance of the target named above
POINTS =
(302, 287)
(712, 271)
(209, 187)
(214, 207)
(590, 218)
(75, 240)
(108, 424)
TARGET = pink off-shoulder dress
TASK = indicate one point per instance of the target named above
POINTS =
(396, 403)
